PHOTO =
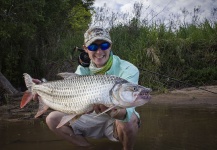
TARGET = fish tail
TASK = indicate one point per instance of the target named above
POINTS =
(28, 94)
(28, 81)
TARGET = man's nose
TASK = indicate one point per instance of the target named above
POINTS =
(99, 50)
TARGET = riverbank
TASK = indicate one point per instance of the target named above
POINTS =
(188, 96)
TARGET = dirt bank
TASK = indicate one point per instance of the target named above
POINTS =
(181, 97)
(188, 96)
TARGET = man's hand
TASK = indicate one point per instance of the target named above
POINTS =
(99, 108)
(36, 81)
(114, 113)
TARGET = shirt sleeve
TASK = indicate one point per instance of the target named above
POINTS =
(131, 74)
(82, 70)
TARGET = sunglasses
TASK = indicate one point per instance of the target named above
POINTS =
(103, 46)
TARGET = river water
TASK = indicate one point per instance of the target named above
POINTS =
(164, 127)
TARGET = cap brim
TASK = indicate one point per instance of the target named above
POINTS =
(97, 38)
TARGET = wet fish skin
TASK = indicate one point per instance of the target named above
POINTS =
(76, 95)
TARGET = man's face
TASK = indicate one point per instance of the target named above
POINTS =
(99, 57)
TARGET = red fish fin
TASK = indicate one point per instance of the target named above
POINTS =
(42, 107)
(27, 96)
(67, 118)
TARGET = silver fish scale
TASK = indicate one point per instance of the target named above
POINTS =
(77, 94)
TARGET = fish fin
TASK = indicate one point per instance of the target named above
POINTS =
(105, 111)
(42, 107)
(67, 75)
(28, 81)
(27, 96)
(76, 118)
(67, 118)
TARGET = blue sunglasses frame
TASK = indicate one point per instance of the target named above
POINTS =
(103, 46)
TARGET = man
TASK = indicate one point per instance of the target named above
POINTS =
(117, 124)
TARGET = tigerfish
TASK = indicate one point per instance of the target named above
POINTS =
(77, 94)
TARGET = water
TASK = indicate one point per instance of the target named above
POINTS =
(163, 128)
(178, 128)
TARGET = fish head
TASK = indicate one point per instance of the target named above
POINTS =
(130, 95)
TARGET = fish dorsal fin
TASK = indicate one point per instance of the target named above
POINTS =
(105, 111)
(67, 118)
(42, 107)
(67, 75)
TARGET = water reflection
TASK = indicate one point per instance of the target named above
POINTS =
(163, 127)
(178, 128)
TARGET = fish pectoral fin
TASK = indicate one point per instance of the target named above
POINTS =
(42, 107)
(67, 118)
(76, 118)
(105, 111)
(67, 75)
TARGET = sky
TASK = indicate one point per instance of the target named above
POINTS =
(161, 9)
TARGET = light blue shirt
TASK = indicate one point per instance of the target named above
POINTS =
(120, 68)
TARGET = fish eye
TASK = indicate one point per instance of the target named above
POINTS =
(135, 88)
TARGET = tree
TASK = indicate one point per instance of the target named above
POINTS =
(5, 88)
(31, 32)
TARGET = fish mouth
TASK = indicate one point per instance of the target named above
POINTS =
(145, 94)
(142, 99)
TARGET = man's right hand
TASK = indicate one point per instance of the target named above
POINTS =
(36, 81)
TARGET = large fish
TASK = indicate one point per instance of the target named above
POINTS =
(77, 94)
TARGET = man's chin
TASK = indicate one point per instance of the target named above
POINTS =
(99, 62)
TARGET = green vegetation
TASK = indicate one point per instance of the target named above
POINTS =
(38, 37)
(188, 54)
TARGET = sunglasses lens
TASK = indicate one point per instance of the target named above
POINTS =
(105, 46)
(92, 47)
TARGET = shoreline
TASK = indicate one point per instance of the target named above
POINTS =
(187, 96)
